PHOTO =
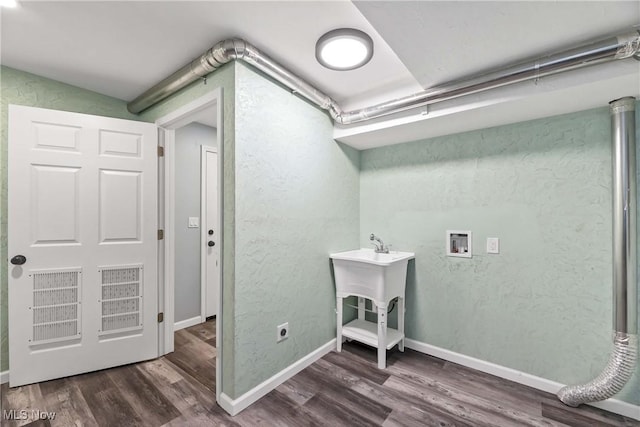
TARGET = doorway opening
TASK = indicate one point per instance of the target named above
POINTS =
(194, 223)
(190, 214)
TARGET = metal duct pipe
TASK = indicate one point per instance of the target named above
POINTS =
(623, 135)
(605, 49)
(625, 353)
(595, 52)
(223, 52)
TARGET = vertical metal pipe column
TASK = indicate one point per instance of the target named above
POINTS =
(623, 132)
(625, 322)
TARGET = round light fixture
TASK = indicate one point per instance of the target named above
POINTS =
(344, 49)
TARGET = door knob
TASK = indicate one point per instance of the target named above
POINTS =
(18, 260)
(210, 232)
(211, 243)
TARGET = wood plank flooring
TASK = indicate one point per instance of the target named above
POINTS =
(341, 389)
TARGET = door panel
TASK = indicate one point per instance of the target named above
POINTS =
(83, 211)
(56, 203)
(120, 206)
(120, 144)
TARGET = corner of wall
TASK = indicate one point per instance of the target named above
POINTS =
(224, 78)
(296, 188)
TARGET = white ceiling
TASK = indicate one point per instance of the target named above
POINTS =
(122, 48)
(444, 40)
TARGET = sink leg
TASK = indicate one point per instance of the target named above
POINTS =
(339, 324)
(382, 336)
(401, 322)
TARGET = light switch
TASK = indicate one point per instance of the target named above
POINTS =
(493, 245)
(194, 222)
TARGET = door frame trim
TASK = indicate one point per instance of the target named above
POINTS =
(166, 176)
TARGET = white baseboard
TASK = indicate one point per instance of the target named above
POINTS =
(186, 323)
(4, 377)
(227, 404)
(234, 406)
(619, 407)
(611, 405)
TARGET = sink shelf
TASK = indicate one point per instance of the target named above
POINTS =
(367, 332)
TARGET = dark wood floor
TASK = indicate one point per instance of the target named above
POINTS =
(344, 389)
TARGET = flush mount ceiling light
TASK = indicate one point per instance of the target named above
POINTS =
(8, 3)
(344, 49)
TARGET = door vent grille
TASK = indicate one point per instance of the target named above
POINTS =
(121, 298)
(55, 313)
(56, 310)
(47, 297)
(55, 279)
(120, 306)
(52, 332)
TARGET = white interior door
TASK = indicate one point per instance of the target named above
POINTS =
(83, 215)
(212, 248)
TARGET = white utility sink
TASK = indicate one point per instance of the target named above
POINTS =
(379, 277)
(376, 276)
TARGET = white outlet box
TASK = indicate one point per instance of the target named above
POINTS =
(283, 332)
(493, 245)
(459, 243)
(194, 222)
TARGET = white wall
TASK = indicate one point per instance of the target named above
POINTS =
(189, 139)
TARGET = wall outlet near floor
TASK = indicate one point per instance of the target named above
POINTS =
(283, 332)
(493, 245)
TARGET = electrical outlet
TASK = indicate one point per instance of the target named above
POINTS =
(283, 332)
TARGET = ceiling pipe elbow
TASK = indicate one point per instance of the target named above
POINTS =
(629, 45)
(336, 113)
(226, 51)
(223, 52)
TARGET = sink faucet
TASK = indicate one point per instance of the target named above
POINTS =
(380, 247)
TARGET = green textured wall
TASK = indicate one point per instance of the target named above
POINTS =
(543, 305)
(296, 201)
(18, 87)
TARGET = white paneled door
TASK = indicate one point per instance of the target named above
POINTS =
(82, 243)
(211, 260)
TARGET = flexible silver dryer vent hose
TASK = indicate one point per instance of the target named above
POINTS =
(612, 379)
